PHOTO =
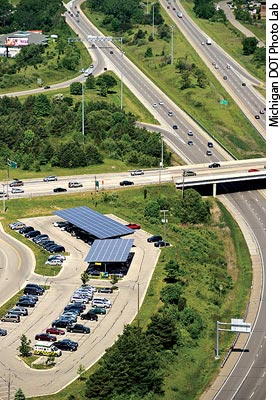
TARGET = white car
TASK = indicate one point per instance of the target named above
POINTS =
(17, 190)
(160, 103)
(104, 300)
(77, 298)
(155, 105)
(50, 178)
(53, 262)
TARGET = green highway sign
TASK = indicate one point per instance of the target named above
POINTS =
(224, 102)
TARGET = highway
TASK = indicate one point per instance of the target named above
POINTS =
(251, 207)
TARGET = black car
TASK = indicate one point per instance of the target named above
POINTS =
(32, 234)
(47, 87)
(35, 285)
(78, 328)
(175, 126)
(61, 323)
(91, 316)
(126, 183)
(105, 290)
(210, 144)
(33, 291)
(47, 246)
(32, 297)
(25, 303)
(57, 249)
(59, 189)
(80, 307)
(66, 344)
(155, 238)
(37, 239)
(3, 332)
(161, 243)
(214, 165)
(26, 229)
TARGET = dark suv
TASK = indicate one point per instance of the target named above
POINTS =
(90, 315)
(26, 229)
(155, 238)
(33, 290)
(78, 328)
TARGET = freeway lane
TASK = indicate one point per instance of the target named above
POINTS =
(248, 99)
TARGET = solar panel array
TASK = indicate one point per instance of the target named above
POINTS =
(109, 250)
(91, 221)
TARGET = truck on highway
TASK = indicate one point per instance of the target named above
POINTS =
(208, 41)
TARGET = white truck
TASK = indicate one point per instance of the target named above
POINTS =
(208, 41)
(46, 349)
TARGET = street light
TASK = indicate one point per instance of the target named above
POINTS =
(161, 159)
(164, 221)
(83, 113)
(172, 44)
(122, 53)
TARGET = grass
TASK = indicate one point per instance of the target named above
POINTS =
(225, 123)
(190, 369)
(230, 38)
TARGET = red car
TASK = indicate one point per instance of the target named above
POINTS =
(45, 336)
(55, 331)
(133, 226)
(253, 170)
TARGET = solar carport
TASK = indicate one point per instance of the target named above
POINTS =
(98, 225)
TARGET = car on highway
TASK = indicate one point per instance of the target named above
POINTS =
(190, 142)
(32, 234)
(126, 183)
(161, 243)
(154, 238)
(3, 332)
(253, 170)
(214, 165)
(261, 111)
(188, 172)
(225, 77)
(243, 84)
(78, 328)
(209, 153)
(132, 225)
(47, 87)
(160, 103)
(46, 337)
(26, 229)
(25, 303)
(155, 105)
(17, 190)
(190, 132)
(59, 190)
(16, 182)
(55, 331)
(175, 126)
(257, 116)
(137, 172)
(50, 178)
(66, 344)
(170, 113)
(210, 144)
(74, 184)
(3, 195)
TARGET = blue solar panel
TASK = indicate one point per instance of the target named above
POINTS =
(109, 250)
(91, 221)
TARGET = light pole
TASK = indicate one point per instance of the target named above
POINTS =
(164, 221)
(172, 44)
(147, 12)
(153, 31)
(4, 207)
(83, 113)
(161, 159)
(122, 53)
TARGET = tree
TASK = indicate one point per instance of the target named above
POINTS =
(171, 293)
(85, 278)
(90, 82)
(249, 45)
(25, 346)
(193, 322)
(163, 330)
(148, 53)
(192, 208)
(50, 360)
(151, 210)
(172, 268)
(42, 106)
(81, 372)
(19, 395)
(76, 88)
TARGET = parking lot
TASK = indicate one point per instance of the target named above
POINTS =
(103, 332)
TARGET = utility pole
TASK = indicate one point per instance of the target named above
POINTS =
(122, 53)
(164, 221)
(172, 44)
(83, 112)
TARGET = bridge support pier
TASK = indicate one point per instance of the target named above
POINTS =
(214, 189)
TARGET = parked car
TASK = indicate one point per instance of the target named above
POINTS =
(78, 328)
(25, 303)
(100, 303)
(49, 245)
(30, 297)
(3, 332)
(55, 331)
(11, 318)
(71, 315)
(162, 243)
(132, 225)
(154, 238)
(99, 310)
(16, 182)
(60, 323)
(17, 225)
(103, 300)
(22, 311)
(214, 165)
(46, 337)
(105, 290)
(79, 298)
(57, 257)
(32, 234)
(90, 315)
(50, 178)
(54, 262)
(37, 239)
(126, 183)
(56, 249)
(66, 344)
(33, 290)
(26, 229)
(59, 190)
(78, 307)
(41, 288)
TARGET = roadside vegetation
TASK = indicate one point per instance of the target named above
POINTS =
(205, 276)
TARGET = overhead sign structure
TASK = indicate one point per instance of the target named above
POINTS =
(236, 325)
